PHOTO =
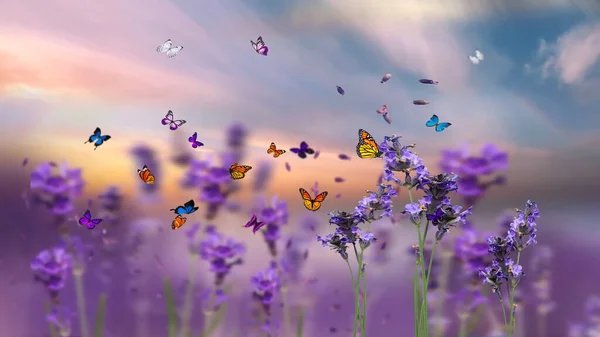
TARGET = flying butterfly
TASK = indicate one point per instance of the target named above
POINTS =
(478, 57)
(97, 138)
(173, 124)
(194, 140)
(146, 175)
(367, 147)
(273, 149)
(259, 46)
(385, 114)
(310, 203)
(434, 121)
(167, 47)
(238, 171)
(86, 220)
(178, 222)
(187, 208)
(254, 223)
(303, 150)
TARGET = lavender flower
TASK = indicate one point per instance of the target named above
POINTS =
(262, 176)
(274, 214)
(400, 158)
(265, 285)
(522, 232)
(471, 253)
(475, 171)
(222, 253)
(590, 326)
(51, 268)
(55, 187)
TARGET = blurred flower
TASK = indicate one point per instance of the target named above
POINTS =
(467, 300)
(541, 270)
(471, 253)
(384, 237)
(590, 326)
(262, 176)
(275, 214)
(55, 187)
(60, 318)
(145, 155)
(265, 284)
(293, 260)
(221, 252)
(111, 201)
(475, 170)
(51, 268)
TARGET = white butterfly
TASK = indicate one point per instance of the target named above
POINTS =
(172, 123)
(169, 49)
(478, 57)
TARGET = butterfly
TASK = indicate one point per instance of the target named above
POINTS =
(173, 124)
(194, 142)
(259, 46)
(435, 121)
(238, 171)
(178, 222)
(167, 47)
(310, 203)
(97, 138)
(146, 175)
(384, 113)
(478, 57)
(273, 149)
(254, 223)
(340, 90)
(187, 208)
(303, 150)
(86, 220)
(367, 147)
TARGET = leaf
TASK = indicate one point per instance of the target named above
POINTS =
(100, 316)
(171, 308)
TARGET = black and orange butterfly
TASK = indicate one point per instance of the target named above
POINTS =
(146, 175)
(238, 171)
(367, 147)
(178, 222)
(310, 203)
(273, 149)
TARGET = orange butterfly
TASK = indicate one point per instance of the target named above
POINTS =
(273, 149)
(310, 203)
(238, 171)
(178, 222)
(145, 175)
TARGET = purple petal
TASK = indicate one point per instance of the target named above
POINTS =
(25, 161)
(316, 154)
(337, 196)
(338, 179)
(343, 156)
(288, 167)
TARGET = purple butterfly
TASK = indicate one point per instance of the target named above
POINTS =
(173, 124)
(254, 223)
(303, 150)
(88, 221)
(193, 140)
(259, 46)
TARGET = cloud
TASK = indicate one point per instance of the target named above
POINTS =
(573, 56)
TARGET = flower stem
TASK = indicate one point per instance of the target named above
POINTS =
(359, 275)
(100, 316)
(424, 312)
(300, 324)
(361, 271)
(188, 302)
(513, 286)
(506, 327)
(443, 286)
(286, 310)
(416, 298)
(83, 324)
(356, 307)
(462, 332)
(423, 324)
(171, 308)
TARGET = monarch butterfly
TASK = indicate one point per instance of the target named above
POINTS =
(367, 147)
(273, 149)
(178, 222)
(238, 171)
(310, 203)
(146, 175)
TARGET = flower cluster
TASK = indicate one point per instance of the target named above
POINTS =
(51, 268)
(521, 234)
(222, 253)
(475, 171)
(265, 285)
(274, 214)
(56, 186)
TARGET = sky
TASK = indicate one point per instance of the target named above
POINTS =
(94, 64)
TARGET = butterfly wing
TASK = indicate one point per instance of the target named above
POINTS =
(387, 118)
(175, 124)
(168, 118)
(433, 121)
(94, 136)
(321, 197)
(101, 140)
(278, 153)
(190, 207)
(474, 59)
(367, 146)
(86, 218)
(307, 199)
(174, 51)
(442, 126)
(164, 47)
(272, 148)
(479, 54)
(193, 138)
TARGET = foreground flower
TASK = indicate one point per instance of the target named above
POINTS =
(275, 215)
(221, 252)
(56, 187)
(51, 267)
(265, 285)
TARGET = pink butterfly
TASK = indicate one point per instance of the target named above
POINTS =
(194, 141)
(254, 223)
(260, 47)
(87, 220)
(384, 113)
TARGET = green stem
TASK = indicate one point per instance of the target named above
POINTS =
(506, 328)
(188, 302)
(513, 319)
(100, 316)
(214, 324)
(462, 332)
(83, 324)
(359, 280)
(444, 276)
(300, 324)
(474, 319)
(416, 298)
(286, 310)
(206, 330)
(424, 303)
(364, 304)
(171, 308)
(423, 326)
(356, 307)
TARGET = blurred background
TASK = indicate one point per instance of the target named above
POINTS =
(534, 96)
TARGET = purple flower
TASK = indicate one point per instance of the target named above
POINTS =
(398, 158)
(522, 232)
(275, 214)
(51, 268)
(265, 284)
(55, 187)
(60, 318)
(111, 200)
(222, 253)
(474, 171)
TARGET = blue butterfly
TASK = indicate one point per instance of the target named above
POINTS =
(435, 121)
(187, 208)
(97, 138)
(303, 150)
